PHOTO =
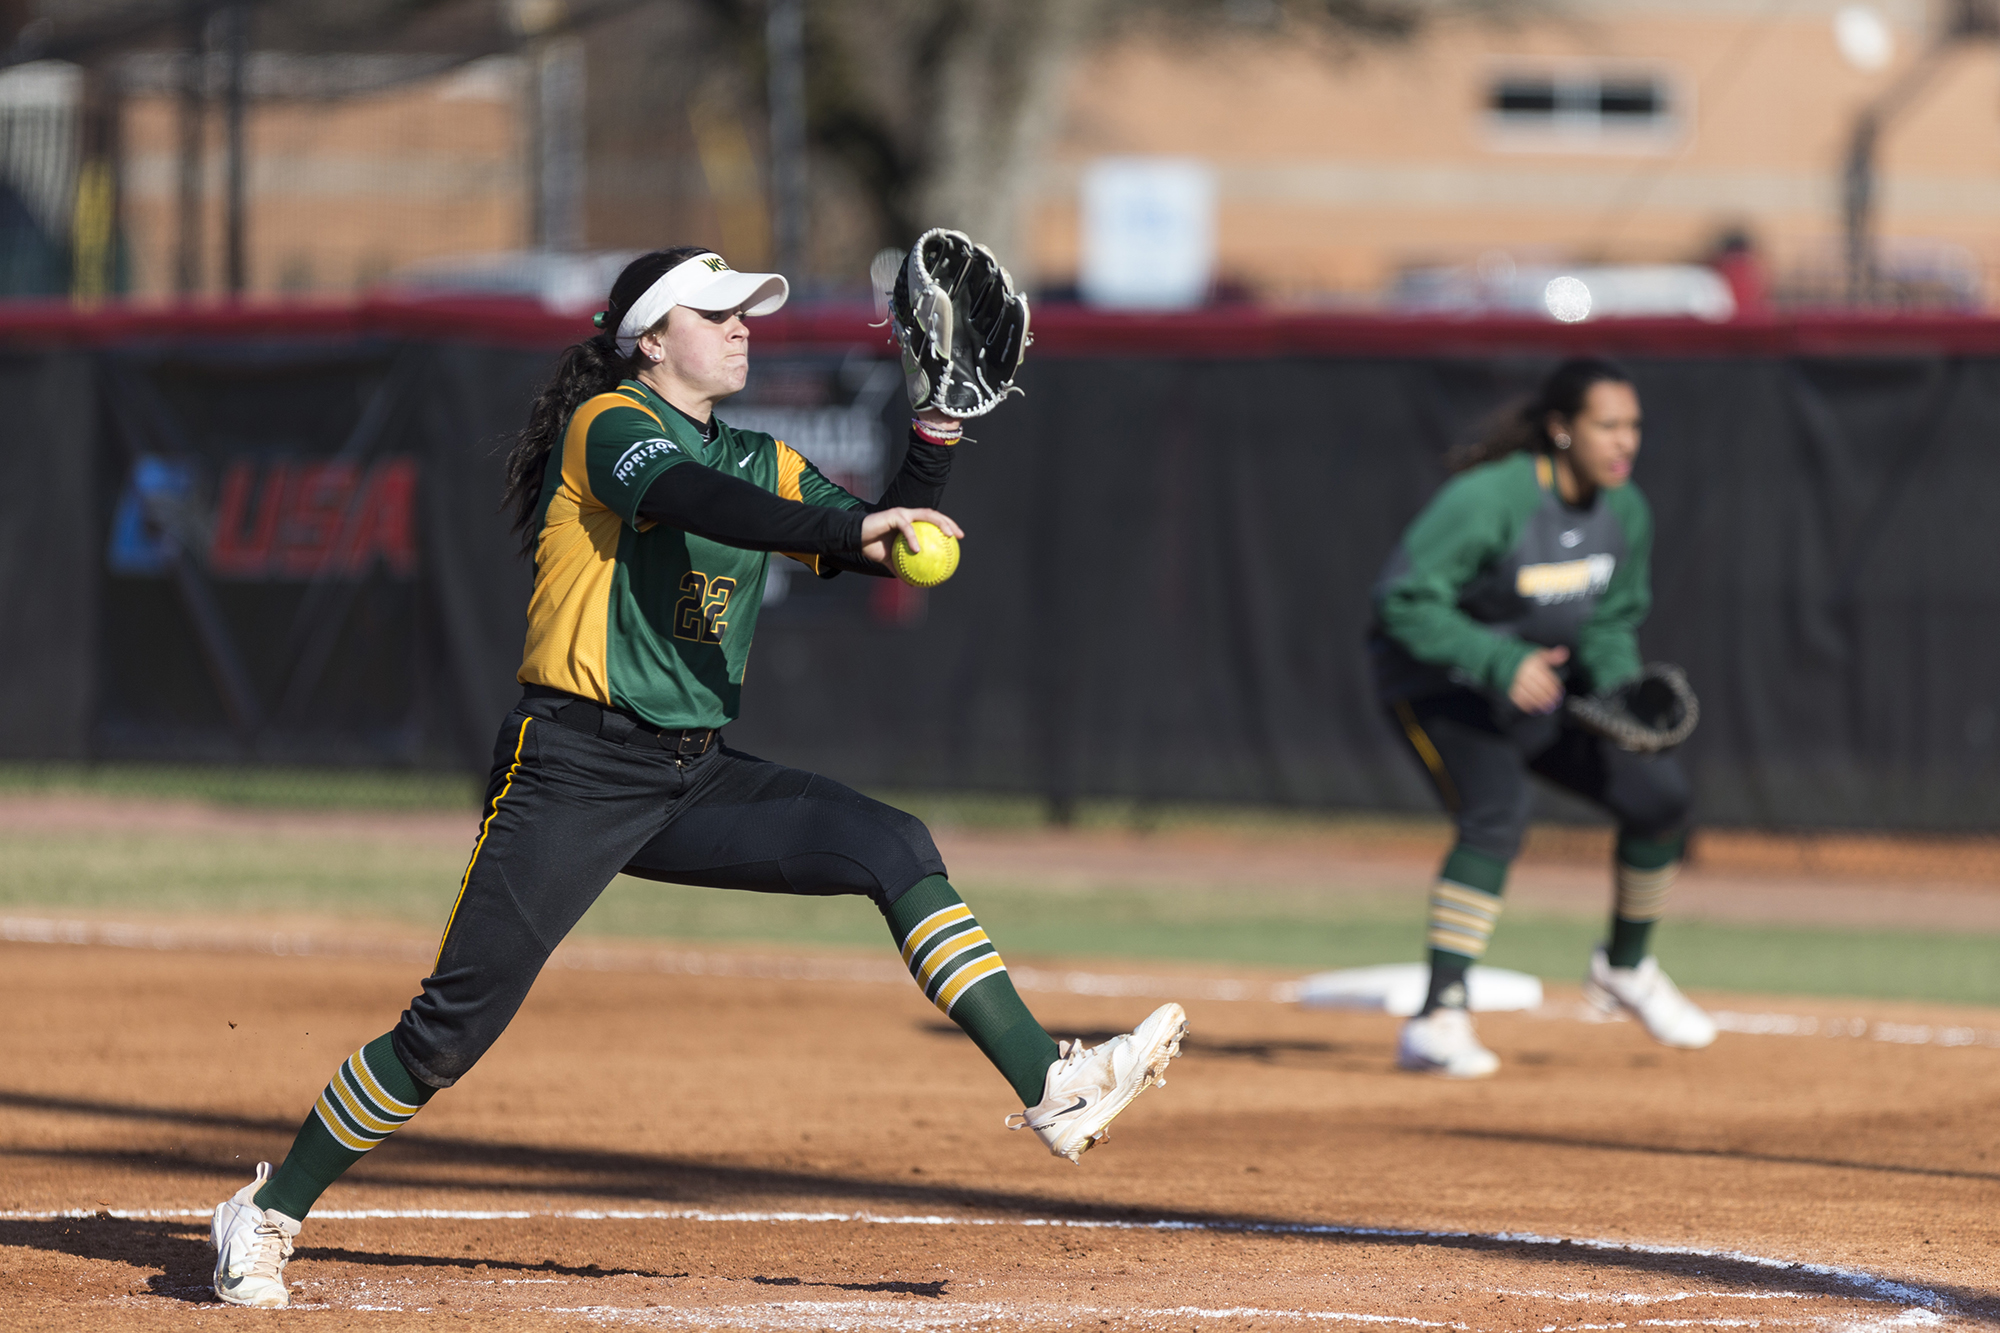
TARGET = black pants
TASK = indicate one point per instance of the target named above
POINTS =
(566, 811)
(1479, 752)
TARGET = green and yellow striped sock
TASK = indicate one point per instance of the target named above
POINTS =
(961, 973)
(369, 1098)
(1644, 870)
(1465, 906)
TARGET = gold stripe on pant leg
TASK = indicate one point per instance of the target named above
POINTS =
(484, 829)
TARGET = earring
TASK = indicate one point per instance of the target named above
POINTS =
(1562, 441)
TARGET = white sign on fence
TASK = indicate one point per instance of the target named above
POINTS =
(1148, 233)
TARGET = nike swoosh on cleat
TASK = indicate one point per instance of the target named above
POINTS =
(1081, 1102)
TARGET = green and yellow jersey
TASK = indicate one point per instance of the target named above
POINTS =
(633, 614)
(1498, 565)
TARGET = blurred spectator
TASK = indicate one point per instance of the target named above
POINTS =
(1737, 260)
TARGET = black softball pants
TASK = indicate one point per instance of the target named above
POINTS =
(565, 811)
(1479, 753)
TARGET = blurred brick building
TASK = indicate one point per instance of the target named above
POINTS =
(342, 190)
(1594, 131)
(1610, 131)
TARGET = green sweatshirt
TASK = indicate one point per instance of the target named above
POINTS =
(1498, 565)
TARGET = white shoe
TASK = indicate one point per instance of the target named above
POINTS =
(1649, 994)
(1443, 1042)
(1090, 1085)
(251, 1246)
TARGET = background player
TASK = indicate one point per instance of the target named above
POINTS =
(651, 522)
(1526, 576)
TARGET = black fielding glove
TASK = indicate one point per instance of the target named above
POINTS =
(1654, 711)
(962, 326)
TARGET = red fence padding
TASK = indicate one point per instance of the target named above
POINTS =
(1061, 330)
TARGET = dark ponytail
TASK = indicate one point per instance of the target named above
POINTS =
(1526, 426)
(585, 370)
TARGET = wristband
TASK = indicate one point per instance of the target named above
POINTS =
(934, 433)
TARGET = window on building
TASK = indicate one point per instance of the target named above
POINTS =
(1581, 104)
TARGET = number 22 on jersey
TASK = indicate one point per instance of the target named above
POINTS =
(698, 617)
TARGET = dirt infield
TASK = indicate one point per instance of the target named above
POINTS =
(819, 1150)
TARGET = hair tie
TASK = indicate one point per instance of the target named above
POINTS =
(597, 320)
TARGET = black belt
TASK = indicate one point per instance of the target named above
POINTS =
(619, 726)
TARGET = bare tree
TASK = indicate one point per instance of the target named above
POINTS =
(919, 112)
(938, 109)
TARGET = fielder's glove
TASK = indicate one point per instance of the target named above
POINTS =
(1652, 712)
(962, 326)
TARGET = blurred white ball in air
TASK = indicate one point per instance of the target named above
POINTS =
(1567, 299)
(1863, 36)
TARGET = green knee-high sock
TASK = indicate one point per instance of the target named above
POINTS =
(1465, 905)
(1644, 870)
(961, 973)
(368, 1099)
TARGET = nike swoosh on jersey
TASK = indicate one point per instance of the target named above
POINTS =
(745, 460)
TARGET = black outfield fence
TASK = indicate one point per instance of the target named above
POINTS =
(272, 536)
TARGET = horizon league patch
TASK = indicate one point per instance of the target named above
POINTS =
(635, 458)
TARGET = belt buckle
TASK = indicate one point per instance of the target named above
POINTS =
(681, 748)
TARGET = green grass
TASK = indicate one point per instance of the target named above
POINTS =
(413, 882)
(1776, 960)
(1156, 924)
(404, 789)
(270, 788)
(1000, 811)
(152, 872)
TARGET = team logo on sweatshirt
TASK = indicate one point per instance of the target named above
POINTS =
(1566, 580)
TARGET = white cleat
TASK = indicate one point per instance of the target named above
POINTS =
(1442, 1042)
(1649, 995)
(1090, 1085)
(251, 1246)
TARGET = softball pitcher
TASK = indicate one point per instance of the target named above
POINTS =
(1524, 578)
(651, 521)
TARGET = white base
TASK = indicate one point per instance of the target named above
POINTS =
(1399, 988)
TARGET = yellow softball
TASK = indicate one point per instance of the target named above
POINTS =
(934, 561)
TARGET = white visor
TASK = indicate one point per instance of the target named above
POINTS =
(705, 282)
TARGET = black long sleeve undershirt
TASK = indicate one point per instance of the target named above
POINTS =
(727, 509)
(918, 484)
(722, 508)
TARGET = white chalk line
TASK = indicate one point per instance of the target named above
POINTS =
(857, 1315)
(1862, 1285)
(1664, 1298)
(867, 1314)
(886, 1314)
(845, 1315)
(693, 963)
(881, 1314)
(1804, 1025)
